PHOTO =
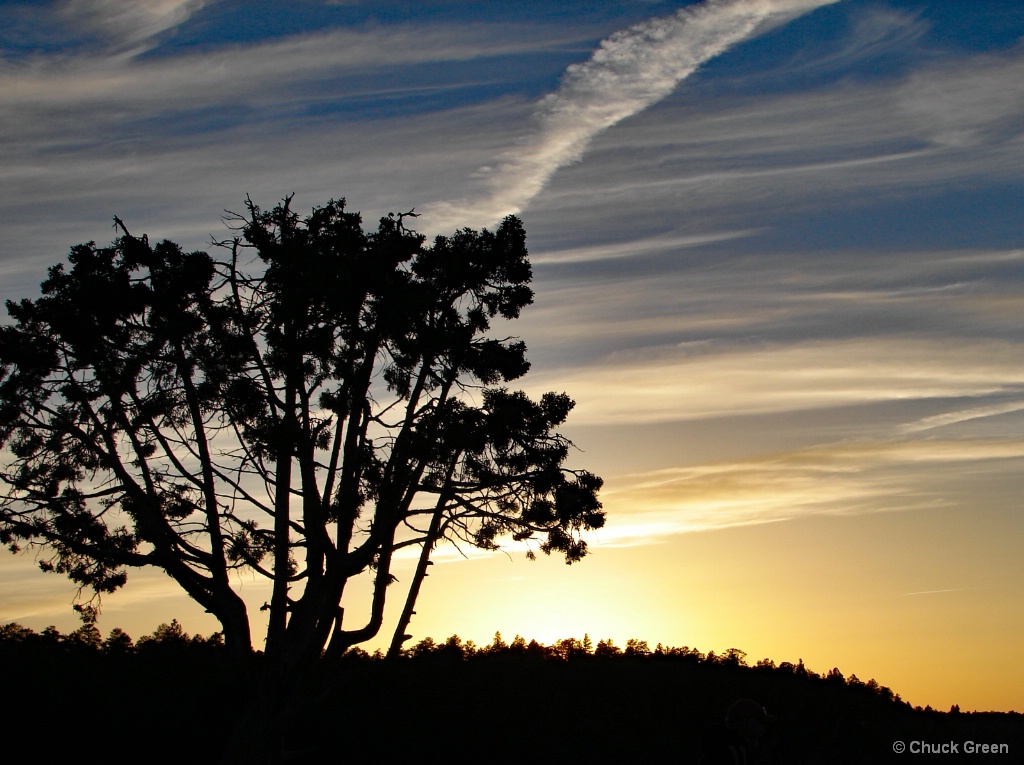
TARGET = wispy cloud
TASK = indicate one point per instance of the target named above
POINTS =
(643, 246)
(129, 27)
(280, 72)
(673, 385)
(962, 415)
(835, 479)
(694, 288)
(875, 32)
(759, 157)
(959, 107)
(630, 71)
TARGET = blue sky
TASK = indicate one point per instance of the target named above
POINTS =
(778, 262)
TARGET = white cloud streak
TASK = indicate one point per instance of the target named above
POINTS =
(630, 71)
(643, 246)
(738, 159)
(962, 415)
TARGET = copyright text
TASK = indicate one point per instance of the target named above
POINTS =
(949, 747)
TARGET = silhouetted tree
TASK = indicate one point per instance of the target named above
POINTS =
(425, 647)
(303, 407)
(734, 656)
(87, 636)
(51, 637)
(118, 642)
(607, 648)
(835, 676)
(498, 645)
(166, 634)
(16, 634)
(636, 647)
(569, 648)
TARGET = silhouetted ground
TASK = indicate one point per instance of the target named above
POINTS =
(176, 699)
(626, 709)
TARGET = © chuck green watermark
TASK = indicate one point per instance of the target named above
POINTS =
(949, 747)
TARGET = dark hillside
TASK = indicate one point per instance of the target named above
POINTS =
(69, 697)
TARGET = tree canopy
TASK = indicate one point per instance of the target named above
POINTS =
(302, 405)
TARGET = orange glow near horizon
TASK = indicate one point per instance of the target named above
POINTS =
(874, 595)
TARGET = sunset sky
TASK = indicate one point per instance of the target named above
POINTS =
(778, 249)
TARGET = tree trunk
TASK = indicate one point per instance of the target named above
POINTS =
(433, 533)
(400, 635)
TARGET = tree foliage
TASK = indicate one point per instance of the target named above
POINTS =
(302, 406)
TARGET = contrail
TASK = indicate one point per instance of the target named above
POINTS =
(963, 415)
(630, 71)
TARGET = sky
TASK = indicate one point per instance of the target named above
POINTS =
(778, 250)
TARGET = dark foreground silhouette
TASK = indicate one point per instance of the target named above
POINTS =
(179, 697)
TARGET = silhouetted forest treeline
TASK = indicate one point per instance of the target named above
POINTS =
(573, 700)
